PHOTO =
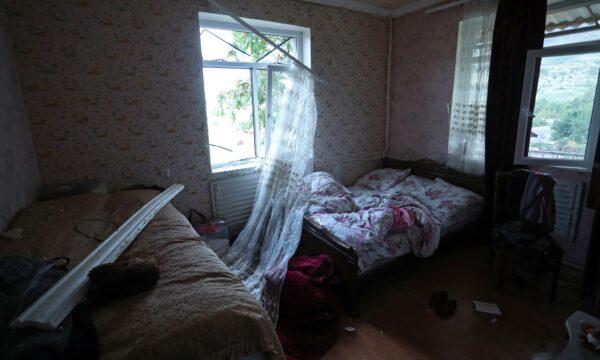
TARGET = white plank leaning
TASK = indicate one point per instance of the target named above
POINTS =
(50, 309)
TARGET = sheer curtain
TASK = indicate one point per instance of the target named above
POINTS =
(466, 143)
(260, 254)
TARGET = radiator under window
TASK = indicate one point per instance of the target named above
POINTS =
(232, 199)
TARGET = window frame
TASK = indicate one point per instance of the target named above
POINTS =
(224, 22)
(534, 58)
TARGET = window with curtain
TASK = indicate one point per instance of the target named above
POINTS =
(466, 143)
(244, 78)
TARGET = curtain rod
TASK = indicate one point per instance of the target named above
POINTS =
(226, 11)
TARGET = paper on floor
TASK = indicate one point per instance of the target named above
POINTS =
(488, 308)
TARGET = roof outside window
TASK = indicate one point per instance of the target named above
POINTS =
(572, 14)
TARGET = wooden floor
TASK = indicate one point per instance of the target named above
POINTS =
(396, 322)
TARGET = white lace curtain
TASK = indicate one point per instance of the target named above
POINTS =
(466, 144)
(260, 254)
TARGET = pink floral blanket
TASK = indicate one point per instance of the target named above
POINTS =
(380, 218)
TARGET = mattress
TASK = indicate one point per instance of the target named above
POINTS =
(371, 216)
(197, 310)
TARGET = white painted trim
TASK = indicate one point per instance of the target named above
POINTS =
(414, 6)
(226, 22)
(255, 111)
(257, 32)
(533, 57)
(353, 5)
(214, 20)
(50, 309)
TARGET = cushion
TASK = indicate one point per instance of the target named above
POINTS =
(403, 219)
(383, 179)
(411, 185)
(330, 204)
(449, 203)
(322, 183)
(328, 194)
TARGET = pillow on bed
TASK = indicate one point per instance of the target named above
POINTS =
(327, 195)
(449, 203)
(323, 183)
(411, 185)
(330, 204)
(383, 179)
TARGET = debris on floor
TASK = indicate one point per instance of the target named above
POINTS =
(350, 329)
(488, 308)
(444, 306)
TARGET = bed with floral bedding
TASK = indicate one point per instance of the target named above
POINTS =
(388, 213)
(197, 310)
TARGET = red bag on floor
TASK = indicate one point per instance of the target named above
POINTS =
(309, 311)
(215, 232)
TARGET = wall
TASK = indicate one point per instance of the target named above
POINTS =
(19, 179)
(113, 88)
(424, 52)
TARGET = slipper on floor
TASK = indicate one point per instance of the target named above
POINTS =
(446, 309)
(438, 298)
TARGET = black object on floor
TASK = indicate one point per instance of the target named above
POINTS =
(446, 309)
(437, 298)
(443, 306)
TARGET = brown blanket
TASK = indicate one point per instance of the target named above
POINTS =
(198, 309)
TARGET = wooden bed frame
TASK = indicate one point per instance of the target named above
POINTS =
(316, 240)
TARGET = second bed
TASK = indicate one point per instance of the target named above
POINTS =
(407, 207)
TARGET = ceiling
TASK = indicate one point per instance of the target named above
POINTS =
(392, 8)
(578, 11)
(388, 4)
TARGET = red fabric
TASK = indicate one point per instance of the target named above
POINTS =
(548, 204)
(309, 310)
(403, 219)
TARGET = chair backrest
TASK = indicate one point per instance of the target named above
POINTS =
(509, 189)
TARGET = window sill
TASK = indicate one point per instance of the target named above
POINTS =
(545, 167)
(240, 168)
(573, 168)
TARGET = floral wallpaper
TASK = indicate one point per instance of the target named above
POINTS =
(19, 178)
(424, 52)
(113, 89)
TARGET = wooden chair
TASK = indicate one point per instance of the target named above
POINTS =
(521, 244)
